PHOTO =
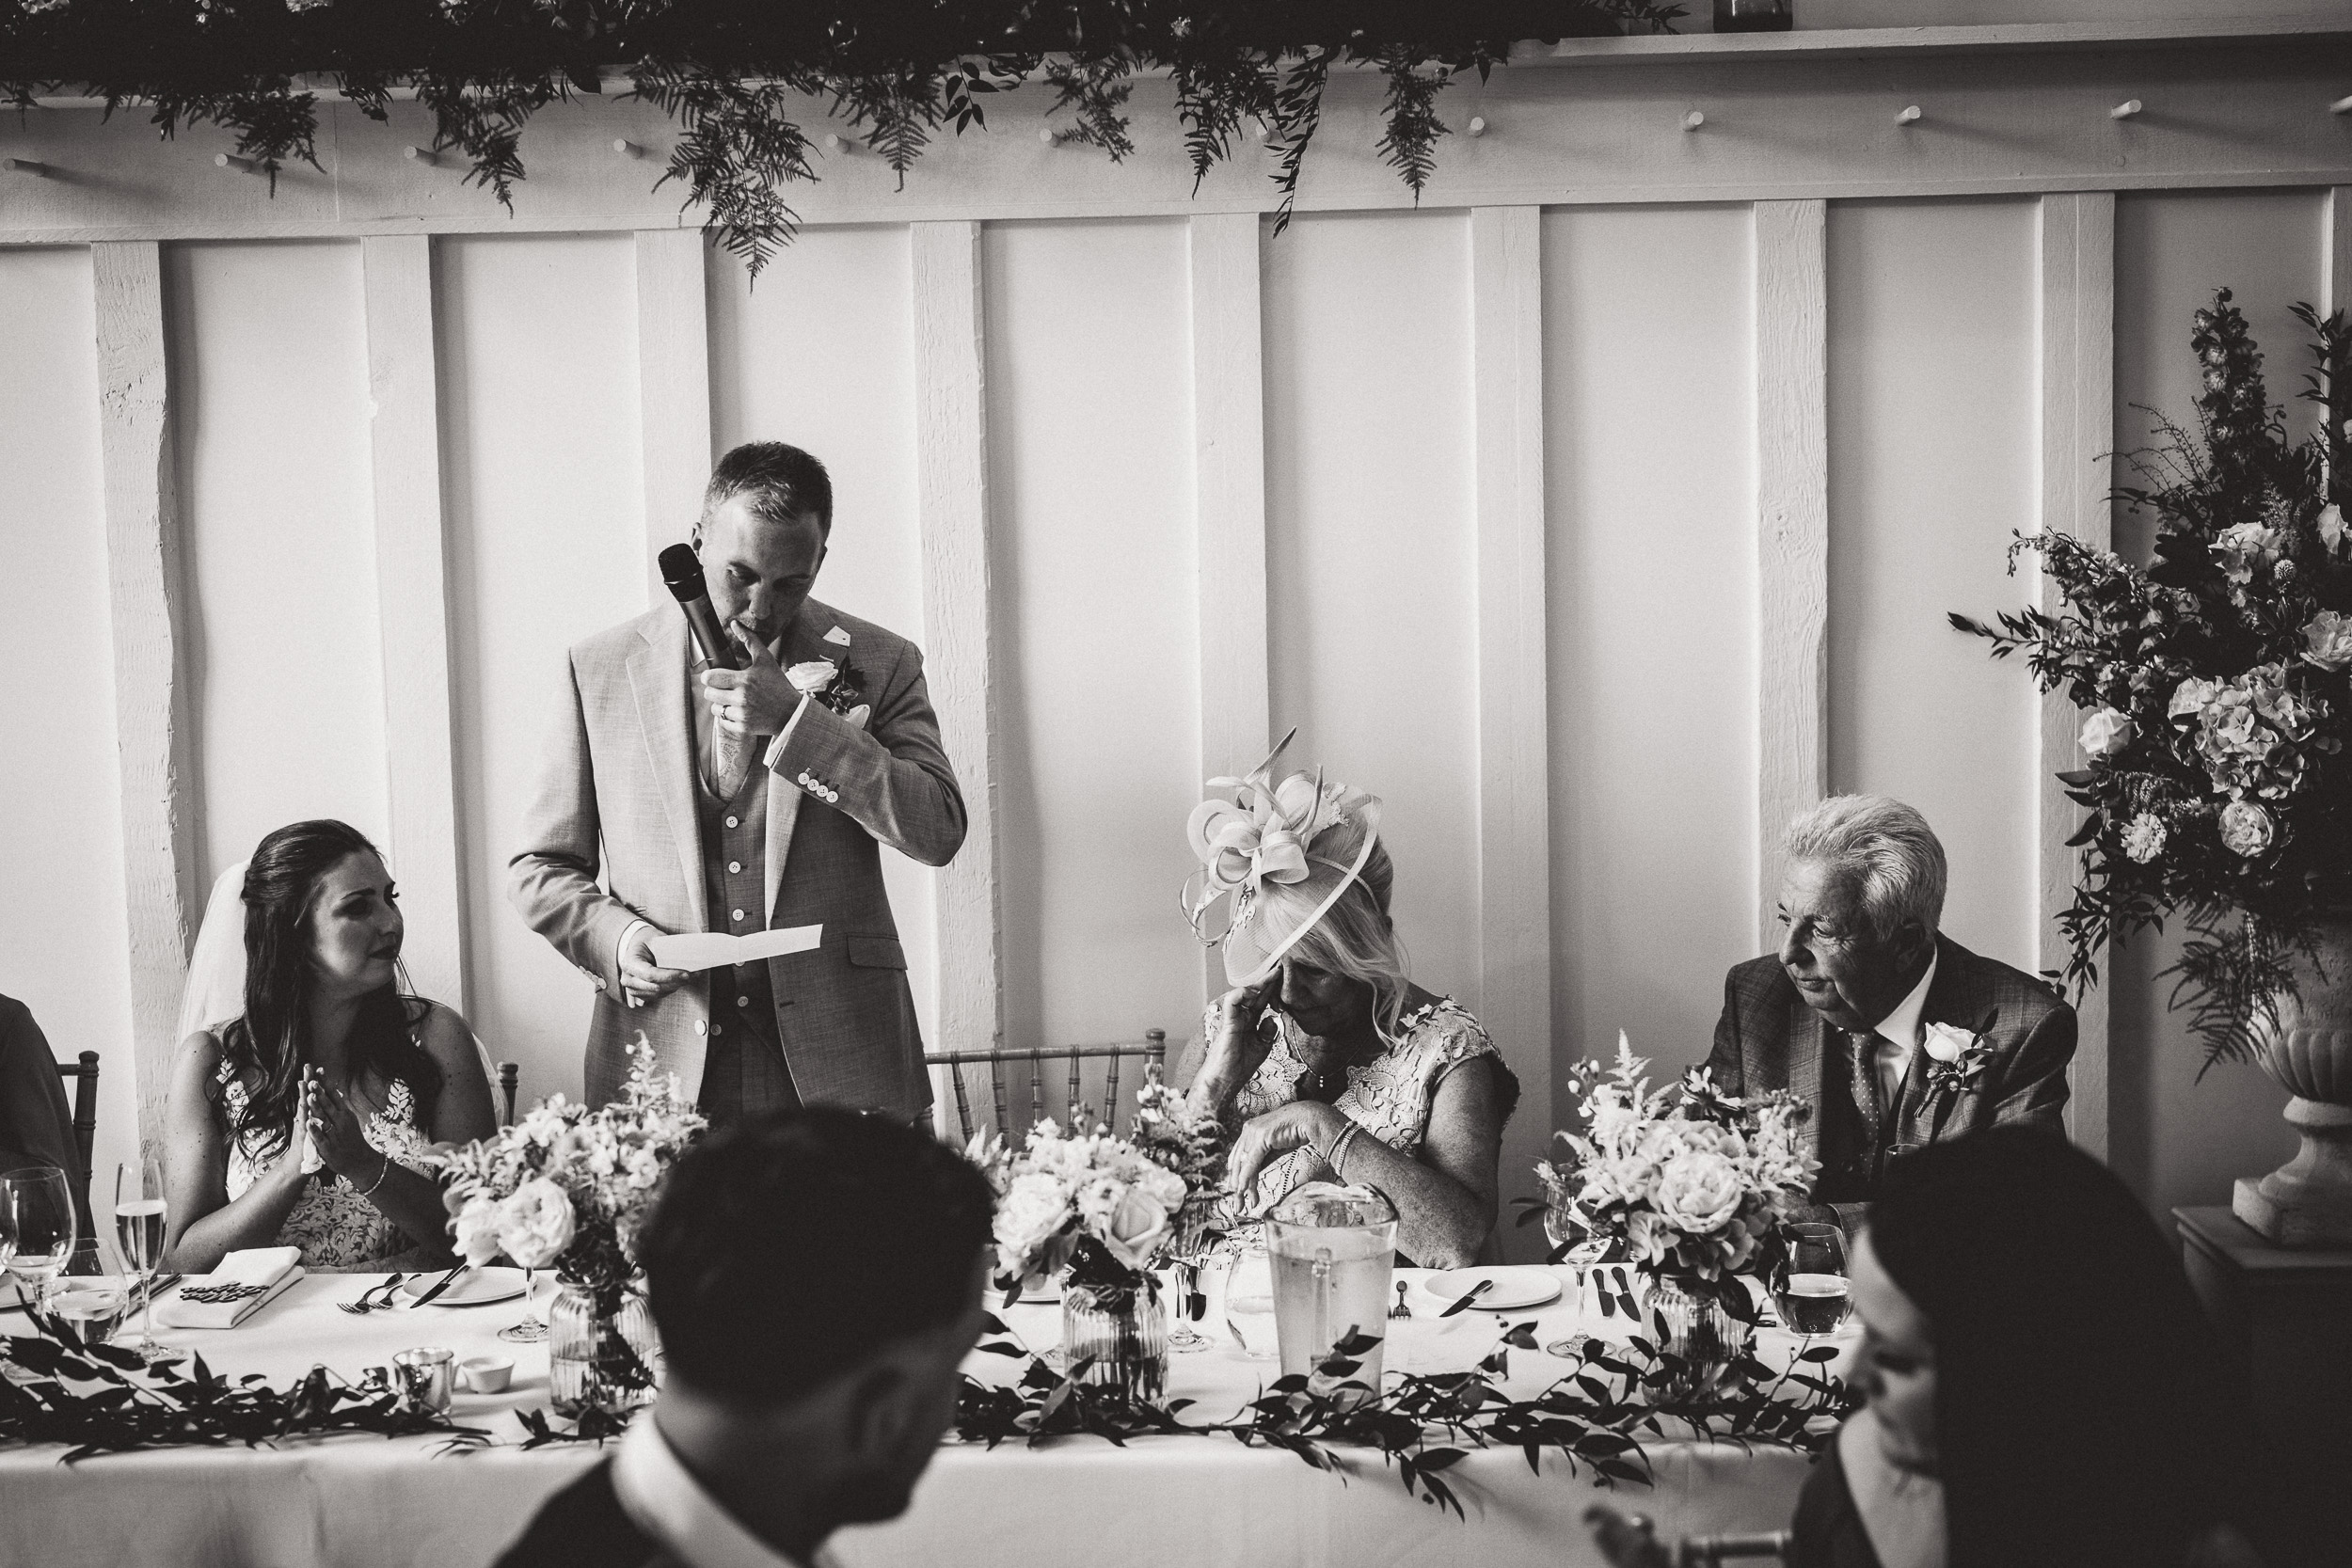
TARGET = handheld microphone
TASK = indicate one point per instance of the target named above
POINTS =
(683, 571)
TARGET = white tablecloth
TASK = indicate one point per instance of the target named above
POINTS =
(1078, 1501)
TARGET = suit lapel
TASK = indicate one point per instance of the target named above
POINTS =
(656, 679)
(1957, 998)
(1807, 1071)
(805, 642)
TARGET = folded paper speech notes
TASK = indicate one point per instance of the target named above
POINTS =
(716, 949)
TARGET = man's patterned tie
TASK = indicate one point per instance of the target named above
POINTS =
(1862, 1046)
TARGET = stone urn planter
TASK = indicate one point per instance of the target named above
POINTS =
(2308, 1201)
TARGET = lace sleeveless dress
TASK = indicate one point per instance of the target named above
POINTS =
(1389, 1097)
(333, 1225)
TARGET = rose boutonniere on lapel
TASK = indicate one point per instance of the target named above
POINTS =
(838, 686)
(1956, 1056)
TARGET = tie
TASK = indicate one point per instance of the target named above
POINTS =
(1862, 1047)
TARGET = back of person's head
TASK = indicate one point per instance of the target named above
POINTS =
(779, 482)
(798, 1246)
(2081, 1413)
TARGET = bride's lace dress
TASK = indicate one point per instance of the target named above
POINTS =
(334, 1225)
(1390, 1096)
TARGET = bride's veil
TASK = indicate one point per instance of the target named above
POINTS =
(215, 992)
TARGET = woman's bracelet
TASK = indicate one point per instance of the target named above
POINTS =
(1339, 1147)
(383, 1172)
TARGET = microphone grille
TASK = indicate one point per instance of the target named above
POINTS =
(683, 571)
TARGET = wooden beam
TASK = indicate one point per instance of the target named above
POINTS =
(412, 610)
(144, 587)
(951, 479)
(1229, 490)
(2076, 313)
(674, 388)
(1792, 529)
(2336, 265)
(1514, 719)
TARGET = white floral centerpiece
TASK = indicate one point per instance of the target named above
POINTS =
(569, 1187)
(1691, 1187)
(1103, 1213)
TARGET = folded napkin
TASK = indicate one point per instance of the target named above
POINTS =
(245, 1283)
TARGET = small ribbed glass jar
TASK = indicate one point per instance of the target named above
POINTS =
(1700, 1334)
(1123, 1332)
(602, 1351)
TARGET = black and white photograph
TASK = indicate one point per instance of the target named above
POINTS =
(1209, 783)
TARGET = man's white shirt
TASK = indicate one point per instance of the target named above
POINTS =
(663, 1500)
(1899, 1035)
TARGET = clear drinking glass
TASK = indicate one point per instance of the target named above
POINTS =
(36, 1230)
(1814, 1296)
(91, 1300)
(1250, 1295)
(140, 1233)
(531, 1329)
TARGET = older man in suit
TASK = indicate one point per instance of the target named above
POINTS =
(734, 802)
(1896, 1035)
(789, 1408)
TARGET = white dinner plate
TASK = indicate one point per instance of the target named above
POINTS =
(1513, 1287)
(475, 1287)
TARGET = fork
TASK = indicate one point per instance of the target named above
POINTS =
(362, 1305)
(1400, 1309)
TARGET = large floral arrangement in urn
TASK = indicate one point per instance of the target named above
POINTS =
(2216, 687)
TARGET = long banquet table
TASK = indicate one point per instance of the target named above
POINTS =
(1080, 1503)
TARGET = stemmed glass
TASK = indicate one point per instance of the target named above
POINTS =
(531, 1330)
(88, 1299)
(1813, 1294)
(37, 1231)
(140, 1231)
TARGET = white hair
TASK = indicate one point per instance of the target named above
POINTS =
(1886, 848)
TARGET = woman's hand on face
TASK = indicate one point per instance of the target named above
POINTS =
(1244, 1032)
(1267, 1137)
(288, 1166)
(335, 1128)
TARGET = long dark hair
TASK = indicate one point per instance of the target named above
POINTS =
(266, 1048)
(2081, 1413)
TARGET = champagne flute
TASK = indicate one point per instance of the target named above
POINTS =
(36, 1230)
(1813, 1294)
(140, 1231)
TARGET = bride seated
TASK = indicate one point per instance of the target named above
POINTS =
(304, 1120)
(1324, 1059)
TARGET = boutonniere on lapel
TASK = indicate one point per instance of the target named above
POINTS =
(1957, 1057)
(838, 686)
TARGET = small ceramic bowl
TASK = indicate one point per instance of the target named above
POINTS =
(487, 1374)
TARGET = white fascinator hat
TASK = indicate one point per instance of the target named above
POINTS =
(1278, 857)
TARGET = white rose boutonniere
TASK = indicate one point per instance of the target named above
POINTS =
(838, 686)
(1956, 1056)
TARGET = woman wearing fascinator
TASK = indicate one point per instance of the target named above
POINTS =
(1325, 1060)
(306, 1085)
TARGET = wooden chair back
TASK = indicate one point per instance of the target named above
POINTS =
(510, 1078)
(85, 1072)
(1065, 1082)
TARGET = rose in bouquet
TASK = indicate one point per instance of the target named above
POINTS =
(569, 1185)
(1684, 1182)
(2216, 687)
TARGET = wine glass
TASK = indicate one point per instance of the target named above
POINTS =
(140, 1231)
(1813, 1294)
(88, 1299)
(37, 1231)
(531, 1330)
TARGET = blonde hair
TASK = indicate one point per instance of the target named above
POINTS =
(1356, 939)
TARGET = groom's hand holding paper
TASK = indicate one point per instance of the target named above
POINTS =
(699, 950)
(645, 977)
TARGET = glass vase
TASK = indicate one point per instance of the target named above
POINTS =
(1702, 1340)
(1121, 1332)
(602, 1352)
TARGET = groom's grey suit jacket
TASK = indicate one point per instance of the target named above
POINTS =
(1768, 1039)
(616, 795)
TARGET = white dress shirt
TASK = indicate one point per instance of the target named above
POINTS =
(663, 1500)
(1899, 1035)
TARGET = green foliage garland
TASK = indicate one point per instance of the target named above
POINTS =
(2218, 686)
(729, 72)
(1597, 1415)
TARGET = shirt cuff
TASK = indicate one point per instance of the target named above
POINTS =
(775, 747)
(621, 946)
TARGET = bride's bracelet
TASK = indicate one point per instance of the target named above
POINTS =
(1339, 1147)
(382, 1172)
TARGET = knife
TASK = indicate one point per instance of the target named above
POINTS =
(1468, 1296)
(447, 1280)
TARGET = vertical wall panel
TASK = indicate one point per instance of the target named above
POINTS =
(270, 397)
(820, 354)
(1090, 458)
(2178, 1140)
(1370, 547)
(1647, 315)
(1933, 435)
(63, 936)
(539, 424)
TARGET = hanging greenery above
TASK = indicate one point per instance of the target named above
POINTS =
(733, 74)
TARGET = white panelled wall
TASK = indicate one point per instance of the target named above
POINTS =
(1595, 538)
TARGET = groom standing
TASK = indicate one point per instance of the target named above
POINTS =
(740, 801)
